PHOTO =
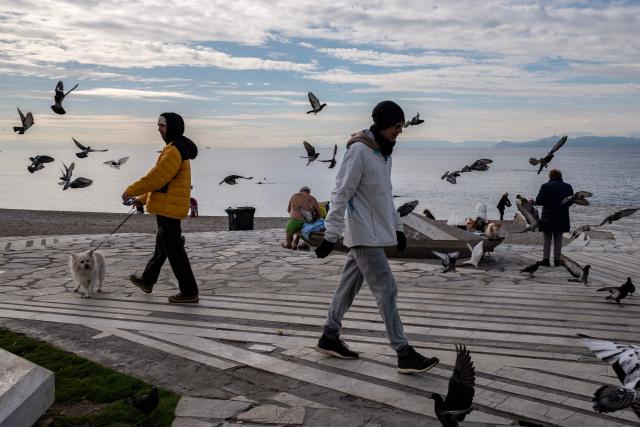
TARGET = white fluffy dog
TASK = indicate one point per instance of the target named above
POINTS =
(87, 269)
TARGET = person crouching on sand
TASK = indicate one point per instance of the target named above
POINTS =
(363, 192)
(165, 190)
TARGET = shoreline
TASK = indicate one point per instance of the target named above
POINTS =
(24, 223)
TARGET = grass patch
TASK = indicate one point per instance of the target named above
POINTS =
(88, 394)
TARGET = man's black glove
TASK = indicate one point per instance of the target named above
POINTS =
(402, 241)
(325, 248)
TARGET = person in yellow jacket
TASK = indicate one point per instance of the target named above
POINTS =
(166, 190)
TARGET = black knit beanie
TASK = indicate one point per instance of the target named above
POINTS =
(387, 114)
(175, 126)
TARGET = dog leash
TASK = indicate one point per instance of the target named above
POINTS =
(133, 210)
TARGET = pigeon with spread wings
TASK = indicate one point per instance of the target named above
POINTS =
(85, 150)
(544, 161)
(117, 163)
(66, 182)
(580, 273)
(332, 161)
(457, 404)
(479, 165)
(625, 361)
(38, 161)
(451, 176)
(311, 152)
(618, 215)
(59, 97)
(27, 122)
(406, 208)
(232, 179)
(448, 260)
(579, 198)
(415, 121)
(316, 107)
(618, 293)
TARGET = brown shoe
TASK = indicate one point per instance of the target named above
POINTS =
(184, 299)
(141, 284)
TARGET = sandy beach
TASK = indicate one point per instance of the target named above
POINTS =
(18, 222)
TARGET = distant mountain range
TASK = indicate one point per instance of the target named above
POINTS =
(579, 141)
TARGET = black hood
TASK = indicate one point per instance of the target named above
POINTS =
(175, 129)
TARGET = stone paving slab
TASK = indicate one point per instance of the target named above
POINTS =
(262, 308)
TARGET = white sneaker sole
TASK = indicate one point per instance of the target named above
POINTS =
(415, 371)
(333, 353)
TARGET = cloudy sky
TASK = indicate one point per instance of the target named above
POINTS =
(239, 71)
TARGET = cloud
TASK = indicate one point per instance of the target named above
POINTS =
(120, 93)
(386, 59)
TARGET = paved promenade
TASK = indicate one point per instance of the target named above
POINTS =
(247, 347)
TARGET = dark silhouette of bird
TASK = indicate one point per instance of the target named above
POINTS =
(479, 165)
(579, 198)
(583, 229)
(331, 162)
(618, 293)
(415, 121)
(311, 152)
(231, 179)
(544, 161)
(625, 361)
(448, 260)
(580, 274)
(85, 150)
(451, 177)
(145, 403)
(315, 104)
(406, 208)
(66, 182)
(618, 215)
(531, 269)
(457, 404)
(117, 163)
(527, 210)
(38, 161)
(59, 97)
(27, 122)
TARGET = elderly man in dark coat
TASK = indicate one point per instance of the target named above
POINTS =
(555, 215)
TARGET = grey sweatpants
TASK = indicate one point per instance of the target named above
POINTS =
(557, 244)
(370, 264)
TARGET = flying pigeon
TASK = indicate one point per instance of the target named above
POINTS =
(476, 253)
(479, 165)
(451, 177)
(315, 104)
(580, 274)
(578, 231)
(415, 121)
(625, 360)
(406, 208)
(544, 161)
(37, 162)
(145, 403)
(311, 152)
(59, 97)
(65, 179)
(531, 269)
(27, 122)
(620, 214)
(331, 162)
(525, 209)
(618, 293)
(457, 404)
(85, 150)
(448, 260)
(579, 198)
(231, 179)
(117, 163)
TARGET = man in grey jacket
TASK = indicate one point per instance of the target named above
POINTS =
(362, 207)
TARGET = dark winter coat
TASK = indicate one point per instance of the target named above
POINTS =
(504, 202)
(555, 215)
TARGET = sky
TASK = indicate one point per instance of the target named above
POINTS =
(239, 72)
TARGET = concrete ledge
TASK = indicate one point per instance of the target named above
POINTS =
(26, 391)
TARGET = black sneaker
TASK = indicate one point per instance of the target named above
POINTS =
(141, 284)
(336, 348)
(545, 262)
(184, 299)
(410, 361)
(557, 263)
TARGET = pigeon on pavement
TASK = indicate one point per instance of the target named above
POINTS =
(476, 253)
(531, 269)
(618, 293)
(448, 260)
(580, 274)
(625, 361)
(457, 404)
(544, 161)
(145, 403)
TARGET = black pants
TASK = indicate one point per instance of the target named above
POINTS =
(501, 214)
(170, 244)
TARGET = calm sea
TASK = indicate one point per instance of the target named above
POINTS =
(612, 175)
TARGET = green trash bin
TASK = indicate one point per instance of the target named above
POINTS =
(240, 218)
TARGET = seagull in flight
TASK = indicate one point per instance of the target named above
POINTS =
(544, 161)
(332, 162)
(59, 97)
(27, 122)
(316, 107)
(85, 150)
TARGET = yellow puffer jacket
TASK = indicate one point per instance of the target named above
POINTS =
(166, 188)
